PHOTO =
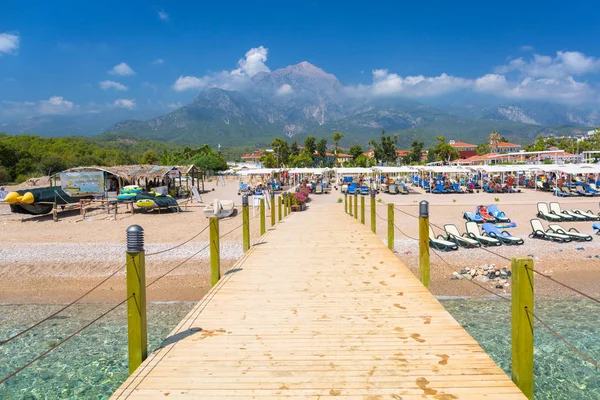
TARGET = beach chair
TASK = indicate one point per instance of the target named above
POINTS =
(439, 188)
(319, 188)
(453, 235)
(426, 186)
(594, 187)
(539, 233)
(482, 211)
(402, 189)
(544, 213)
(496, 213)
(472, 217)
(589, 215)
(440, 243)
(596, 228)
(504, 237)
(569, 191)
(589, 189)
(364, 189)
(573, 233)
(539, 185)
(474, 233)
(555, 209)
(580, 190)
(353, 187)
(561, 193)
(393, 188)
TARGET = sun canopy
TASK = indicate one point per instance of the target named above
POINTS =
(342, 171)
(393, 170)
(316, 171)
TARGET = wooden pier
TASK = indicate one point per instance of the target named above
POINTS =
(319, 308)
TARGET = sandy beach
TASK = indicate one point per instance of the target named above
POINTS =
(45, 261)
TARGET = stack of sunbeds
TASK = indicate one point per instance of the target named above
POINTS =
(555, 213)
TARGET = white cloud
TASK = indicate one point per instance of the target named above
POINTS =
(162, 15)
(391, 84)
(124, 103)
(158, 61)
(9, 43)
(491, 83)
(105, 85)
(564, 64)
(285, 89)
(150, 86)
(55, 105)
(175, 105)
(121, 69)
(237, 79)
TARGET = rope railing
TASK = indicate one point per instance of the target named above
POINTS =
(78, 331)
(565, 285)
(562, 339)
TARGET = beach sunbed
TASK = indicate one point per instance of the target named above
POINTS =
(393, 188)
(319, 188)
(482, 211)
(453, 235)
(596, 228)
(569, 191)
(402, 189)
(573, 233)
(555, 209)
(440, 243)
(540, 233)
(472, 217)
(504, 237)
(474, 233)
(587, 214)
(496, 213)
(544, 213)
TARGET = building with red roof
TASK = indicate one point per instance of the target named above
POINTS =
(465, 150)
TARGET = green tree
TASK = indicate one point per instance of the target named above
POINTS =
(355, 151)
(209, 162)
(280, 147)
(363, 161)
(482, 149)
(415, 153)
(385, 150)
(294, 150)
(310, 143)
(302, 160)
(322, 147)
(443, 151)
(149, 157)
(268, 160)
(336, 141)
(494, 140)
(430, 155)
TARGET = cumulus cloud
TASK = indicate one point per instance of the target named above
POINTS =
(106, 85)
(9, 43)
(285, 89)
(158, 61)
(124, 103)
(239, 78)
(564, 64)
(55, 105)
(121, 69)
(162, 15)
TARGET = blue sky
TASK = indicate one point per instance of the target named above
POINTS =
(60, 56)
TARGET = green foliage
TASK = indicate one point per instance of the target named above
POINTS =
(443, 151)
(209, 162)
(430, 155)
(268, 160)
(355, 151)
(483, 148)
(385, 150)
(336, 141)
(301, 160)
(322, 147)
(340, 200)
(414, 156)
(280, 147)
(363, 161)
(294, 150)
(310, 143)
(149, 157)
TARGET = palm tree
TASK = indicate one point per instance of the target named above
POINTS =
(336, 141)
(494, 140)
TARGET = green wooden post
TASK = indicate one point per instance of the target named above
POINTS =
(424, 267)
(373, 212)
(350, 205)
(362, 210)
(272, 209)
(290, 203)
(346, 202)
(215, 252)
(391, 226)
(245, 223)
(279, 200)
(263, 227)
(356, 205)
(522, 325)
(137, 330)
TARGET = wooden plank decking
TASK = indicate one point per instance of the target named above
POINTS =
(320, 309)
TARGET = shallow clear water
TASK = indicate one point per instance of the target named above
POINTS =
(93, 364)
(559, 373)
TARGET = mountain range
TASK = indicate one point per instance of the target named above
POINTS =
(302, 100)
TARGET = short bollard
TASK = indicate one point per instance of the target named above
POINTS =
(290, 203)
(263, 227)
(424, 272)
(522, 325)
(346, 202)
(246, 223)
(356, 204)
(215, 253)
(362, 210)
(272, 208)
(136, 297)
(373, 212)
(350, 205)
(391, 226)
(279, 201)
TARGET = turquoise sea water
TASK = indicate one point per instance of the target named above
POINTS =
(94, 364)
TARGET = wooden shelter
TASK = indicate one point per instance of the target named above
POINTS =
(147, 176)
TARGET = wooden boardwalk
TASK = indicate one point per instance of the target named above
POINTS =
(321, 308)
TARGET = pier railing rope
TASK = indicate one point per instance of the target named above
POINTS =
(78, 331)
